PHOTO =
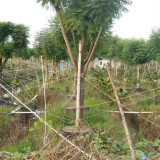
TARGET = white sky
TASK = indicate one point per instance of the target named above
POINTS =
(142, 17)
(138, 22)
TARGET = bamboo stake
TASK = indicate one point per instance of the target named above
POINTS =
(14, 81)
(78, 87)
(123, 117)
(45, 104)
(138, 74)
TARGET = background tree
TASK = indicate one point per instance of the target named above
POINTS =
(47, 46)
(136, 52)
(154, 43)
(13, 39)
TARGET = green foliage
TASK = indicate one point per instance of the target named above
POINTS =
(13, 39)
(135, 52)
(144, 149)
(154, 45)
(102, 80)
(84, 18)
(152, 79)
(47, 45)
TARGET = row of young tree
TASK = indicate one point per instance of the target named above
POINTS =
(131, 52)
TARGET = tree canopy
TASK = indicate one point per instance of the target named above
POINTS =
(46, 45)
(13, 39)
(154, 44)
(86, 20)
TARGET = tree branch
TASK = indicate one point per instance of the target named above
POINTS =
(94, 48)
(74, 39)
(90, 49)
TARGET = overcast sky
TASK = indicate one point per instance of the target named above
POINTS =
(142, 17)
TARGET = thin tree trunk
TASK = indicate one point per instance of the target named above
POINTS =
(115, 67)
(89, 53)
(46, 73)
(138, 74)
(66, 39)
(57, 70)
(144, 71)
(74, 40)
(1, 77)
(75, 84)
(53, 67)
(126, 69)
(64, 67)
(117, 70)
(123, 118)
(125, 74)
(94, 48)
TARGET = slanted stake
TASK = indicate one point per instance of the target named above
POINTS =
(123, 117)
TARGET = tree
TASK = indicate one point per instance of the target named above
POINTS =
(136, 52)
(154, 45)
(86, 20)
(13, 39)
(47, 46)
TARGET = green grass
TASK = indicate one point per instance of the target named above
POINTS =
(97, 117)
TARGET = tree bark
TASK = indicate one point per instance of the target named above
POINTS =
(89, 53)
(74, 40)
(66, 39)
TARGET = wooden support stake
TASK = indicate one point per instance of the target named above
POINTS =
(123, 117)
(78, 110)
(45, 103)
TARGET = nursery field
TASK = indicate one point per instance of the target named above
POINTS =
(39, 134)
